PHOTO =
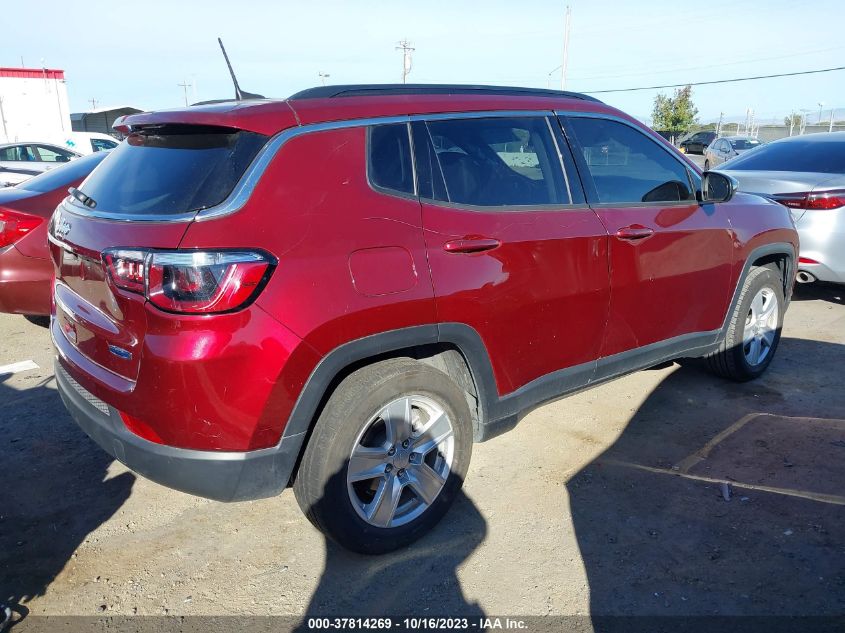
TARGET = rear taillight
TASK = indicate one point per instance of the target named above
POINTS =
(126, 268)
(14, 225)
(191, 282)
(812, 200)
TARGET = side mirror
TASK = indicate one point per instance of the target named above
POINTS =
(717, 187)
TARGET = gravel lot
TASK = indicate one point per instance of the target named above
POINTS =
(608, 502)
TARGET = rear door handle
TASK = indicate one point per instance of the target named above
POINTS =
(471, 245)
(634, 232)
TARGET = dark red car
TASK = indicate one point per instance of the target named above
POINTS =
(25, 268)
(346, 289)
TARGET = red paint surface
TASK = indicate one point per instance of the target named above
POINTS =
(25, 269)
(554, 287)
(32, 73)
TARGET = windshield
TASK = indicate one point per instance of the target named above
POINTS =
(172, 169)
(798, 155)
(742, 143)
(63, 176)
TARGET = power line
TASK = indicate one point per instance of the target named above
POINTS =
(718, 81)
(705, 67)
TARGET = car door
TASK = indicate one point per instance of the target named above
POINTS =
(697, 143)
(670, 257)
(514, 251)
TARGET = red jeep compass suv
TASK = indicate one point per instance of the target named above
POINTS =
(345, 289)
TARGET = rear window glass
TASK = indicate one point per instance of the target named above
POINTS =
(743, 143)
(812, 156)
(172, 169)
(64, 176)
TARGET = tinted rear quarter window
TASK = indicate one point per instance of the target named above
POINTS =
(628, 167)
(800, 155)
(389, 158)
(172, 169)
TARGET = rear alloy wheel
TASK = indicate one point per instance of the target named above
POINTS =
(753, 331)
(400, 461)
(387, 456)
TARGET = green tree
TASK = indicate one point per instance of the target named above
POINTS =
(793, 121)
(677, 113)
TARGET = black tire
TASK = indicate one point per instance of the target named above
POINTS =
(321, 481)
(730, 361)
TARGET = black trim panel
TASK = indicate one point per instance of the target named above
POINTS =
(223, 476)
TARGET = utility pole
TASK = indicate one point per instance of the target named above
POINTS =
(830, 127)
(184, 85)
(821, 105)
(93, 103)
(406, 48)
(791, 121)
(323, 76)
(719, 125)
(567, 22)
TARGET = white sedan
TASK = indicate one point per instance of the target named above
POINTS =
(21, 161)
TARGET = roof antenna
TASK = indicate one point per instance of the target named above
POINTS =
(240, 95)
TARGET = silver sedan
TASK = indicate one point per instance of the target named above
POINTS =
(806, 174)
(725, 148)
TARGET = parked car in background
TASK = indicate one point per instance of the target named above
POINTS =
(25, 268)
(697, 143)
(807, 174)
(21, 161)
(88, 142)
(346, 289)
(725, 148)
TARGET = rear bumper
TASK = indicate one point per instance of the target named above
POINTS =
(223, 476)
(822, 235)
(24, 283)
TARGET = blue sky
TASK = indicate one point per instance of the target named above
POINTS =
(137, 53)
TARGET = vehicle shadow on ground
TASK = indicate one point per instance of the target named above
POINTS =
(53, 491)
(657, 533)
(833, 293)
(419, 580)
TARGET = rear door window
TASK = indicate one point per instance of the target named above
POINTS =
(172, 169)
(499, 162)
(627, 166)
(53, 154)
(101, 145)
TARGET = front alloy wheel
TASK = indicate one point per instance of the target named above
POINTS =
(761, 324)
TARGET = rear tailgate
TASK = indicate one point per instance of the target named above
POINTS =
(105, 324)
(143, 196)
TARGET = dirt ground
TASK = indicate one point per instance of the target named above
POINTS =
(608, 502)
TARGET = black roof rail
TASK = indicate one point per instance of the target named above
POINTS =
(362, 90)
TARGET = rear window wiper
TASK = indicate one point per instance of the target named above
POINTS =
(88, 201)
